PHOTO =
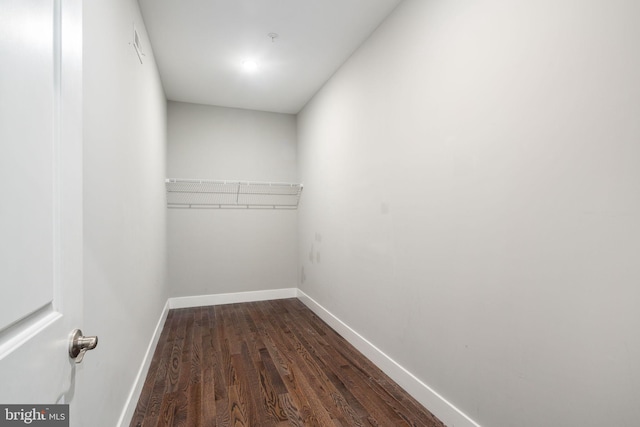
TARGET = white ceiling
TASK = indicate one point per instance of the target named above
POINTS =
(199, 46)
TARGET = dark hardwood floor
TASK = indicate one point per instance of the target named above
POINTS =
(270, 363)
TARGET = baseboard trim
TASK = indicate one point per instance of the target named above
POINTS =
(232, 298)
(429, 398)
(134, 395)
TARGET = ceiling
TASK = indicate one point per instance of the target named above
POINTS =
(200, 47)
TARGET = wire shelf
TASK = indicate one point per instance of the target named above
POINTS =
(198, 193)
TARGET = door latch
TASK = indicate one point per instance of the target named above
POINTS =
(79, 345)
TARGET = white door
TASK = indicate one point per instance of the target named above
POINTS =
(40, 198)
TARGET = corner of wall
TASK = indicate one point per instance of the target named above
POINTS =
(136, 389)
(444, 410)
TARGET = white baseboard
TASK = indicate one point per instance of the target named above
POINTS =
(218, 299)
(429, 398)
(134, 395)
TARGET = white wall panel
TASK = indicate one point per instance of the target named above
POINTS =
(214, 251)
(124, 204)
(472, 205)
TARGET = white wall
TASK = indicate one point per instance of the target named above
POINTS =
(124, 213)
(472, 204)
(214, 251)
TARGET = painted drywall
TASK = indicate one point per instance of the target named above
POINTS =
(125, 275)
(216, 251)
(472, 205)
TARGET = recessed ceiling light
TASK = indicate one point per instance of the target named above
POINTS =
(249, 65)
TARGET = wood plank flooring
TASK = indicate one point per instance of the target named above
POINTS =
(261, 364)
